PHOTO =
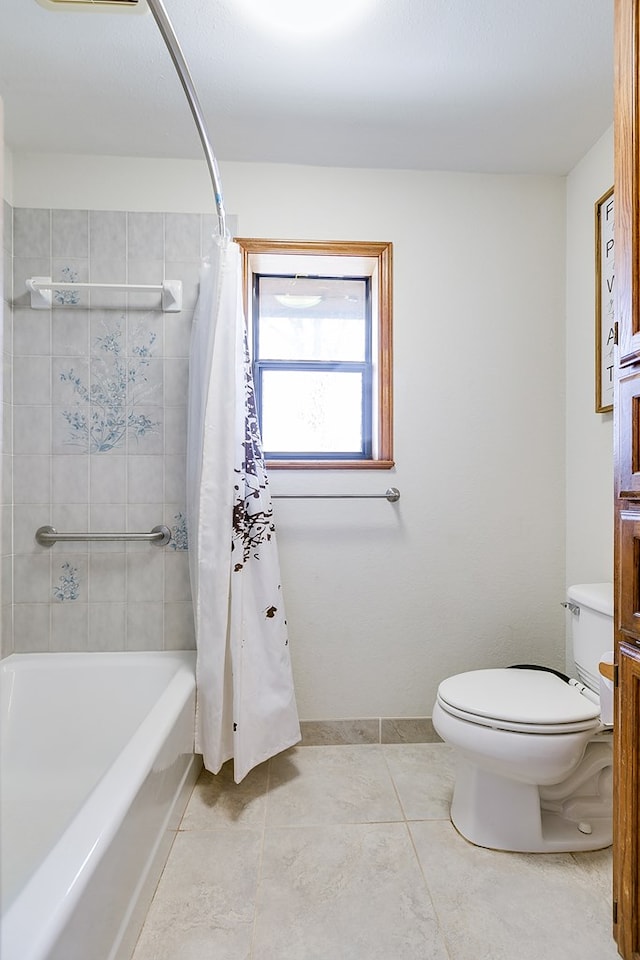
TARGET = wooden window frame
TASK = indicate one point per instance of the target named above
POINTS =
(382, 253)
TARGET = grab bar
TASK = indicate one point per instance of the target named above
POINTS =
(392, 494)
(171, 291)
(47, 536)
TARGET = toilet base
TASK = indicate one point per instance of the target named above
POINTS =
(492, 811)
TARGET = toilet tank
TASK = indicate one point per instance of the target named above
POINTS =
(591, 606)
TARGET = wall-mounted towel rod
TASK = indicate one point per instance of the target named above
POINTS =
(41, 289)
(392, 494)
(47, 536)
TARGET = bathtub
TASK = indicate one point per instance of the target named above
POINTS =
(97, 764)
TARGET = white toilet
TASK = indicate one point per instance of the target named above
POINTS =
(534, 753)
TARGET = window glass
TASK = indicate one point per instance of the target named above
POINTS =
(312, 411)
(321, 318)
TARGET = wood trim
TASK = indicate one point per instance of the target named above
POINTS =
(627, 177)
(626, 837)
(627, 802)
(329, 464)
(320, 248)
(383, 253)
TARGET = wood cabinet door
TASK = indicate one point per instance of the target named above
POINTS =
(626, 888)
(626, 842)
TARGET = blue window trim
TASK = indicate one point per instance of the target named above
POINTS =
(365, 367)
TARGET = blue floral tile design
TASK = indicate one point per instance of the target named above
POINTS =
(179, 537)
(68, 587)
(67, 298)
(119, 383)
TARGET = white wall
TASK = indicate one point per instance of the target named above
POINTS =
(589, 453)
(468, 569)
(589, 443)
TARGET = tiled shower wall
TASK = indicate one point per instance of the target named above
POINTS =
(99, 429)
(6, 645)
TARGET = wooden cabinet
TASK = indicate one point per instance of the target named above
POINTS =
(626, 843)
(626, 890)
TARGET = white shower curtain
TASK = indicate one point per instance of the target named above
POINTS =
(246, 705)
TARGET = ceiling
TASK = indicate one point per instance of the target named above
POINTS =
(521, 86)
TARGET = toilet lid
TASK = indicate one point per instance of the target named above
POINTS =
(532, 697)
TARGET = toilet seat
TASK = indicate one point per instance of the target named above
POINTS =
(525, 701)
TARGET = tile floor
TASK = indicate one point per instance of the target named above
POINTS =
(347, 853)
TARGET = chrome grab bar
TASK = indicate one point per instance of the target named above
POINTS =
(46, 536)
(392, 494)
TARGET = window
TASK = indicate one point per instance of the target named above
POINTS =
(319, 318)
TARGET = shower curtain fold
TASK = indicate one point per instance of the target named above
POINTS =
(246, 705)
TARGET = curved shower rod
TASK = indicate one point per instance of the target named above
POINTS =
(171, 42)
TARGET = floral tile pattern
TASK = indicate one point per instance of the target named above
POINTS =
(67, 298)
(119, 383)
(68, 587)
(179, 537)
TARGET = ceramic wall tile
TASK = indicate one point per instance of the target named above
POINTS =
(31, 232)
(31, 579)
(31, 332)
(145, 575)
(182, 236)
(107, 626)
(179, 633)
(70, 627)
(26, 520)
(70, 335)
(31, 627)
(99, 426)
(107, 577)
(70, 479)
(24, 268)
(69, 270)
(144, 625)
(107, 478)
(32, 479)
(7, 226)
(107, 234)
(176, 576)
(31, 430)
(145, 235)
(70, 233)
(31, 380)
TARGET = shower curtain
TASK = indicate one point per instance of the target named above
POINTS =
(245, 705)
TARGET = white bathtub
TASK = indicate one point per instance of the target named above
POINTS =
(97, 763)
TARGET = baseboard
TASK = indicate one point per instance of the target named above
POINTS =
(316, 733)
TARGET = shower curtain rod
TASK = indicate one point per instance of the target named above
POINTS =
(392, 495)
(171, 42)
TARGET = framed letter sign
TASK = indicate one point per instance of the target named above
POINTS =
(605, 320)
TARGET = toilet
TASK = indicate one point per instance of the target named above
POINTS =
(534, 752)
